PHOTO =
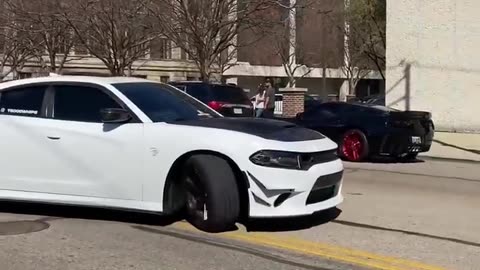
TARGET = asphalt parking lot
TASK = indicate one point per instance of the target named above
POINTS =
(421, 215)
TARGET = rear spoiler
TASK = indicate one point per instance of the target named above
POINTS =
(411, 115)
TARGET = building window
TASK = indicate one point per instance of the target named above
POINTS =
(191, 50)
(65, 43)
(160, 49)
(141, 50)
(79, 48)
(187, 56)
(164, 79)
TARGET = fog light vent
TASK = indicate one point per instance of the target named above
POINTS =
(281, 199)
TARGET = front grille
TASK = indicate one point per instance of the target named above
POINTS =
(311, 159)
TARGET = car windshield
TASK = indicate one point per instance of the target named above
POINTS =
(164, 103)
(230, 94)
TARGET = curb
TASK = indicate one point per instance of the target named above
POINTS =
(449, 159)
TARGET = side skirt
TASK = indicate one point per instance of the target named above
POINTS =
(69, 200)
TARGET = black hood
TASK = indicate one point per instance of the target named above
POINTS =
(265, 128)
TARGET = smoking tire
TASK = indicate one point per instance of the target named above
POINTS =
(212, 197)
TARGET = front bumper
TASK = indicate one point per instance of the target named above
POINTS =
(288, 193)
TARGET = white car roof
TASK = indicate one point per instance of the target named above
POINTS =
(81, 79)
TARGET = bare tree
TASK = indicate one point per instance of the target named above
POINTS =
(226, 60)
(118, 32)
(356, 65)
(368, 18)
(14, 53)
(207, 30)
(14, 47)
(42, 25)
(354, 69)
(282, 29)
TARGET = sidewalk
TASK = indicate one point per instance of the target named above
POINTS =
(460, 146)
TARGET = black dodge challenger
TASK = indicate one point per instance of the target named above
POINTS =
(363, 131)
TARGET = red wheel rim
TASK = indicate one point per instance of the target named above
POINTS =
(352, 147)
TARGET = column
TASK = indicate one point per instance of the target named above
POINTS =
(293, 101)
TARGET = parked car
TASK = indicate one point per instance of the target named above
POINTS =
(227, 99)
(140, 145)
(362, 131)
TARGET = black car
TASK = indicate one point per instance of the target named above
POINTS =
(229, 100)
(311, 101)
(362, 131)
(372, 100)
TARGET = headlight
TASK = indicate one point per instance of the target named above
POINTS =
(277, 159)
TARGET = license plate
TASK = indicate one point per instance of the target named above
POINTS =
(237, 111)
(416, 140)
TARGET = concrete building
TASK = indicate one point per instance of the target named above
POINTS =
(162, 63)
(433, 62)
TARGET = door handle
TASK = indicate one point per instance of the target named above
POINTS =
(54, 138)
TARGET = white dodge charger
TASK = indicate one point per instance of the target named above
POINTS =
(135, 144)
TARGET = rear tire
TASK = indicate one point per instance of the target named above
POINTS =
(212, 195)
(353, 146)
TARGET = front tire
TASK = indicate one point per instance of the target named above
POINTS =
(212, 195)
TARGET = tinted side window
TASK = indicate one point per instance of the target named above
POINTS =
(199, 92)
(25, 101)
(231, 94)
(81, 103)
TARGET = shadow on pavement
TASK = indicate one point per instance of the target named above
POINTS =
(57, 212)
(54, 212)
(294, 223)
(393, 160)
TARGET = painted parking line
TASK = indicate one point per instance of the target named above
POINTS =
(336, 253)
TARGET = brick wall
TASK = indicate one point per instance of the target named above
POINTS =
(319, 36)
(293, 102)
(259, 46)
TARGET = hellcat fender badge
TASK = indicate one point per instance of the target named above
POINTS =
(154, 151)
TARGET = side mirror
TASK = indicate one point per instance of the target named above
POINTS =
(114, 115)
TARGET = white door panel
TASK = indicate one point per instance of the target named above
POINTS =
(26, 157)
(74, 158)
(99, 160)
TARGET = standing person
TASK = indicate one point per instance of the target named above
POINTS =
(269, 99)
(260, 101)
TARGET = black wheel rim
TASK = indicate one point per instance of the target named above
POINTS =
(196, 198)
